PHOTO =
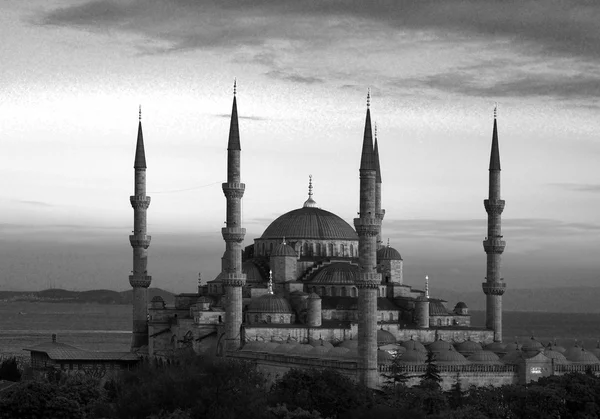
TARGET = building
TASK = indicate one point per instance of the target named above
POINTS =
(310, 278)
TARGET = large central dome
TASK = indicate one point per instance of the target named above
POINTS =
(310, 223)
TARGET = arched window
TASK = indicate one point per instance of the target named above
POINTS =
(323, 293)
(268, 319)
(263, 249)
(306, 249)
(270, 248)
(330, 250)
(354, 292)
(281, 319)
(332, 292)
(342, 250)
(318, 249)
(378, 292)
(256, 318)
(351, 250)
(344, 292)
(439, 322)
(314, 289)
(391, 317)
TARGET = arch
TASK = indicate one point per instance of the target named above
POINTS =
(270, 248)
(317, 249)
(439, 322)
(306, 249)
(268, 319)
(332, 291)
(323, 292)
(281, 319)
(354, 292)
(256, 318)
(342, 250)
(351, 250)
(330, 252)
(314, 289)
(344, 292)
(391, 317)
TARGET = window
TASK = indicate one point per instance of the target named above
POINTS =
(354, 292)
(256, 318)
(268, 319)
(323, 293)
(281, 319)
(351, 250)
(391, 317)
(439, 322)
(332, 292)
(344, 292)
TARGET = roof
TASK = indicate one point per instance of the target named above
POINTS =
(460, 304)
(495, 154)
(351, 303)
(253, 273)
(484, 357)
(384, 337)
(468, 346)
(310, 223)
(437, 308)
(439, 346)
(234, 132)
(284, 250)
(388, 253)
(336, 273)
(62, 352)
(140, 154)
(450, 357)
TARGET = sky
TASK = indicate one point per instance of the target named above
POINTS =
(74, 73)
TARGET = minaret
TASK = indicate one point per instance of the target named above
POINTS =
(379, 213)
(494, 286)
(140, 241)
(233, 234)
(367, 227)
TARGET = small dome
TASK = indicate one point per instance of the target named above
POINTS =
(337, 352)
(385, 338)
(384, 357)
(284, 249)
(336, 273)
(496, 347)
(513, 357)
(413, 344)
(460, 305)
(349, 344)
(314, 296)
(318, 351)
(450, 357)
(484, 357)
(439, 346)
(253, 274)
(413, 356)
(515, 346)
(301, 349)
(532, 346)
(558, 348)
(582, 356)
(556, 356)
(352, 353)
(271, 346)
(203, 300)
(468, 346)
(157, 299)
(320, 342)
(388, 253)
(269, 303)
(284, 348)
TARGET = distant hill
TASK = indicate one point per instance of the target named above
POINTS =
(551, 300)
(92, 296)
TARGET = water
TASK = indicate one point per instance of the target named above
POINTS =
(108, 327)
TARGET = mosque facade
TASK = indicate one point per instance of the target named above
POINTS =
(312, 291)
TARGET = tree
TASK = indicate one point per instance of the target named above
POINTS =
(431, 377)
(456, 393)
(396, 376)
(9, 370)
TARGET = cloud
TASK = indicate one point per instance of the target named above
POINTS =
(250, 118)
(578, 187)
(34, 203)
(293, 77)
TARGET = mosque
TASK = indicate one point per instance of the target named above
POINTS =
(312, 291)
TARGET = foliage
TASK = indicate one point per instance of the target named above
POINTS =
(431, 377)
(396, 376)
(282, 412)
(456, 394)
(9, 370)
(326, 391)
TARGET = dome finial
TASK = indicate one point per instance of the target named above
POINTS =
(283, 242)
(427, 286)
(270, 286)
(234, 86)
(310, 202)
(388, 245)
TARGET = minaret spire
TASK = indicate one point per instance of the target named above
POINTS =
(233, 234)
(310, 202)
(494, 245)
(140, 241)
(367, 227)
(379, 213)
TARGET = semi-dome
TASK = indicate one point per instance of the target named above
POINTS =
(253, 274)
(581, 356)
(284, 250)
(310, 223)
(388, 253)
(336, 273)
(385, 338)
(484, 357)
(269, 303)
(532, 346)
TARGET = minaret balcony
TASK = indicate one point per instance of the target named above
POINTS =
(140, 280)
(494, 206)
(140, 240)
(233, 234)
(367, 226)
(494, 288)
(139, 201)
(233, 190)
(494, 245)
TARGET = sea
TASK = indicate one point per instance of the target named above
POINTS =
(107, 327)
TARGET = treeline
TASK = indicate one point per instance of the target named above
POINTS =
(217, 388)
(91, 296)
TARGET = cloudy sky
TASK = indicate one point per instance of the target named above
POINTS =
(74, 72)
